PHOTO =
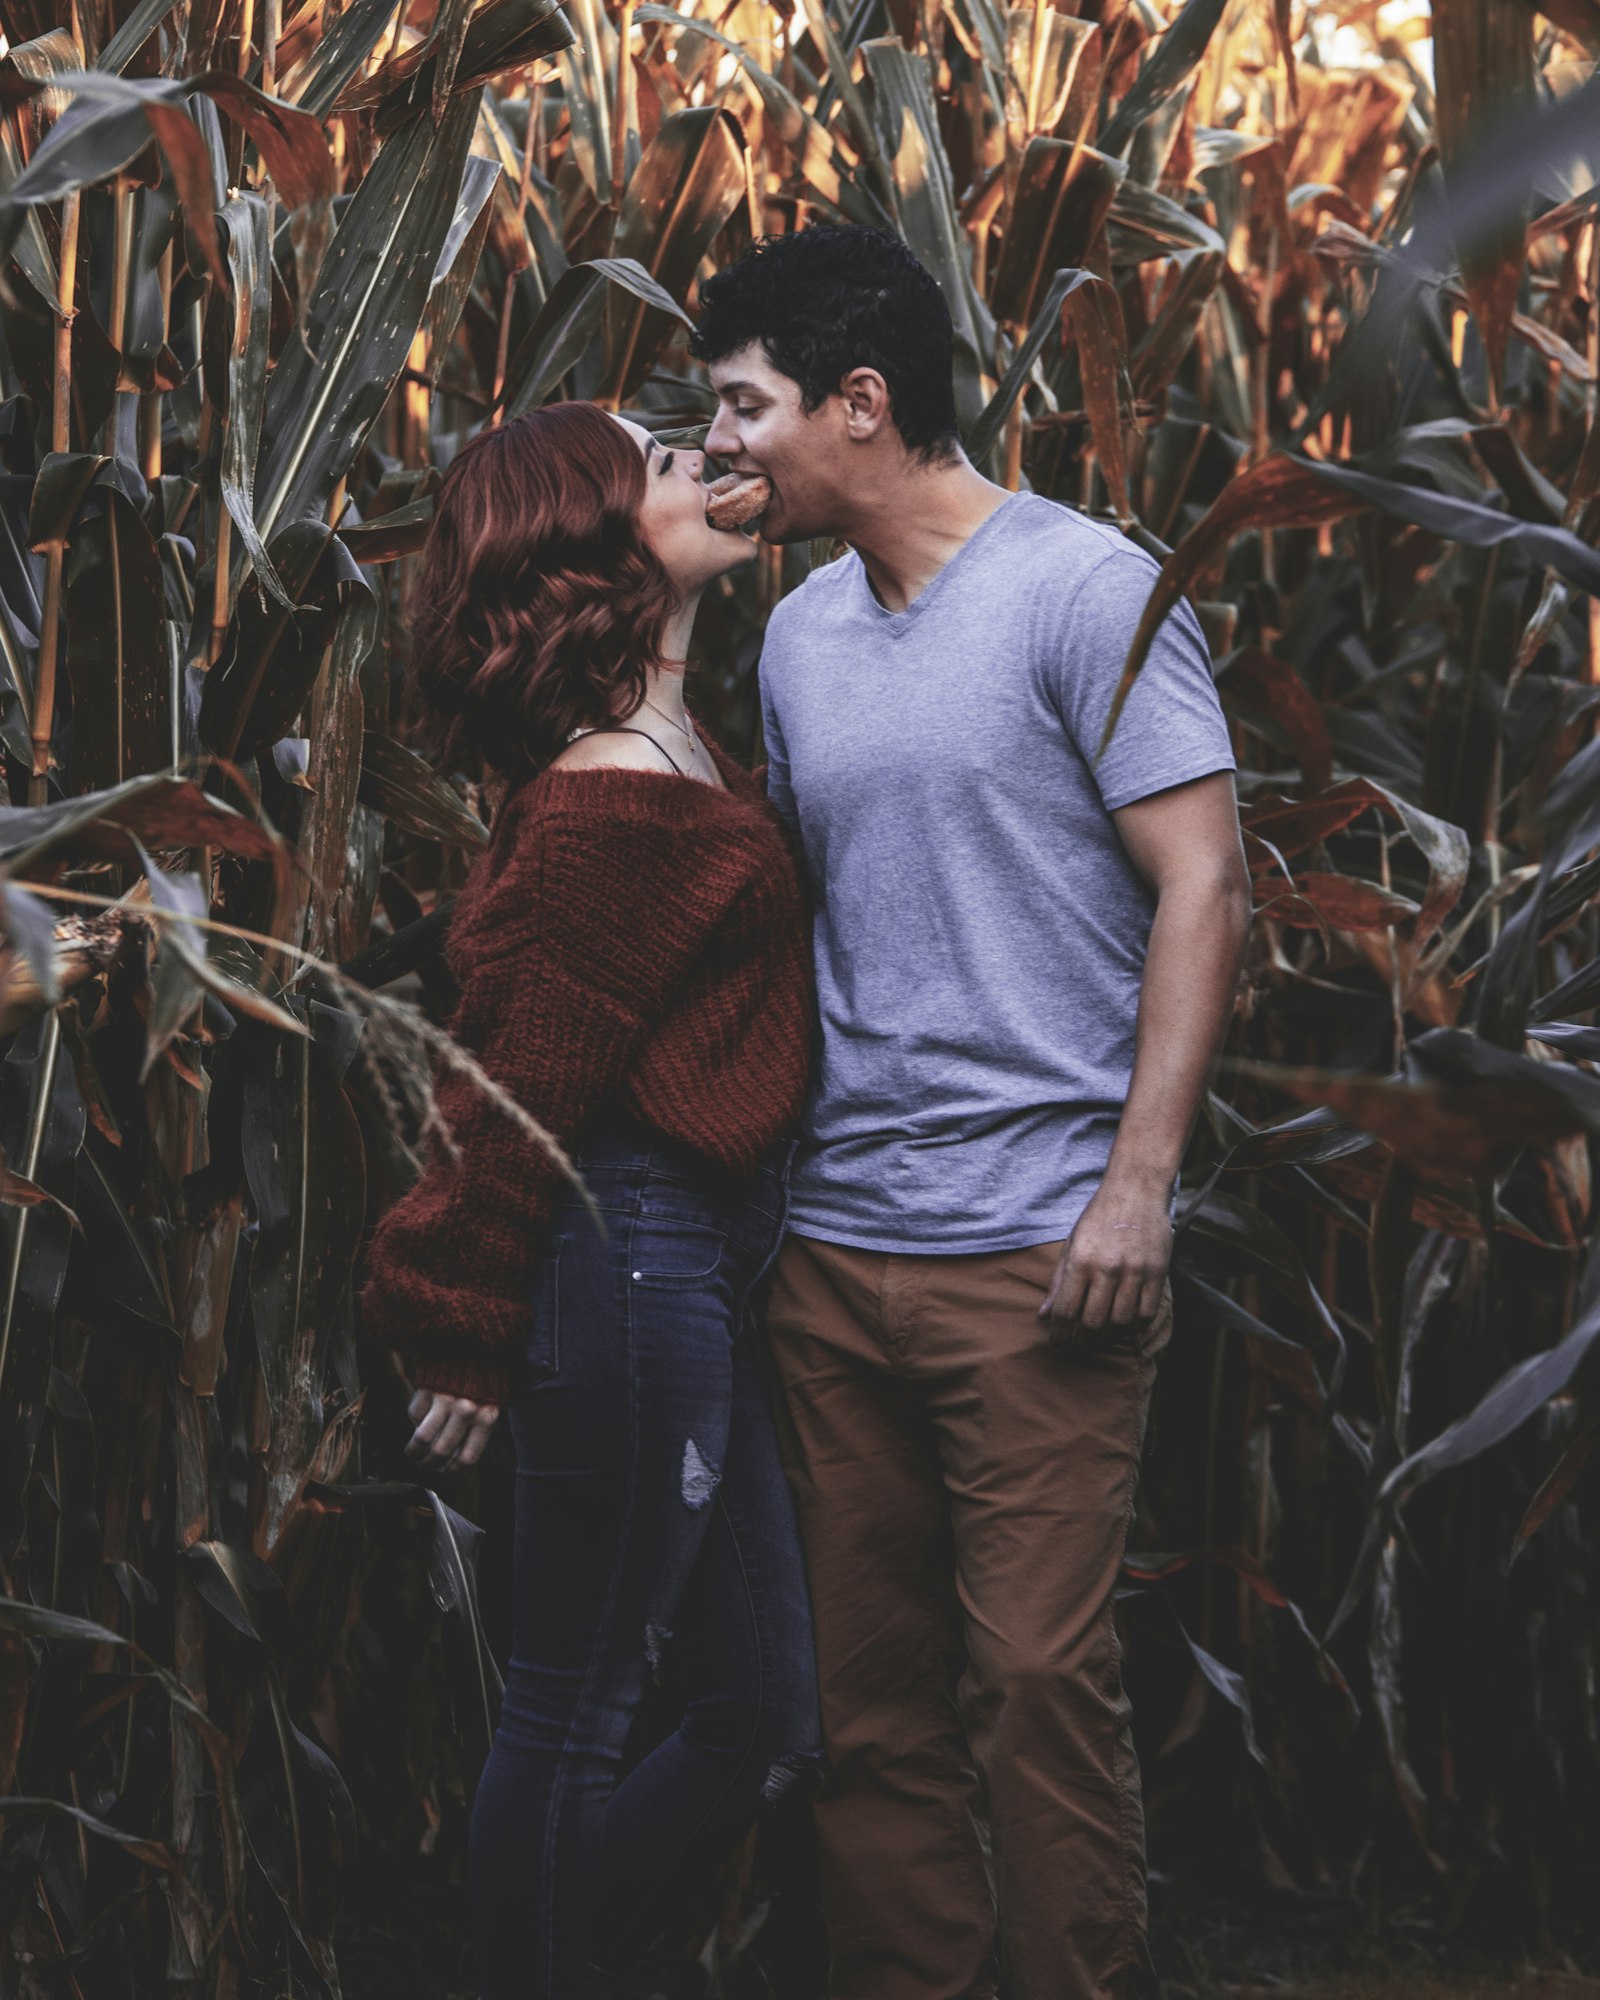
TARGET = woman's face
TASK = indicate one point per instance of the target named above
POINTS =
(673, 516)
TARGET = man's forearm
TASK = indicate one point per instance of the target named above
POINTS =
(1185, 844)
(1191, 977)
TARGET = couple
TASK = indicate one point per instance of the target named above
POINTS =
(1025, 957)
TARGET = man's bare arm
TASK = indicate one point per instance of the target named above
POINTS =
(1185, 843)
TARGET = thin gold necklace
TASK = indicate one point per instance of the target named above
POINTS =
(684, 725)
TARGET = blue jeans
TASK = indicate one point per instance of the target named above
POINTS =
(651, 1509)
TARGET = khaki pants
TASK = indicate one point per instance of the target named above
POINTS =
(964, 1492)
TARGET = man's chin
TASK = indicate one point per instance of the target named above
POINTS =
(780, 531)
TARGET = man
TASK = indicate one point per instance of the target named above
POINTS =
(1027, 953)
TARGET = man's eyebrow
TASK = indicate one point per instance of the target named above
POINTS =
(738, 389)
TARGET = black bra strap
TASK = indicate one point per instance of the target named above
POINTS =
(622, 729)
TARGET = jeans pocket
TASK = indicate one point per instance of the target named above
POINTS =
(664, 1251)
(543, 1356)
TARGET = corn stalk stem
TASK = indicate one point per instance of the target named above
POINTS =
(122, 258)
(150, 405)
(1591, 397)
(622, 114)
(530, 146)
(1011, 477)
(44, 697)
(1041, 16)
(219, 585)
(44, 1090)
(502, 350)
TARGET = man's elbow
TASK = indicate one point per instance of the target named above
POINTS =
(1217, 889)
(1239, 905)
(1236, 896)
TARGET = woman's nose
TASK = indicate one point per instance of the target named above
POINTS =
(699, 462)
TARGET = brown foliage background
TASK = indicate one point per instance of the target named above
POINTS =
(1306, 301)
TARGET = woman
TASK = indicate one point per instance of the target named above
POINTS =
(633, 971)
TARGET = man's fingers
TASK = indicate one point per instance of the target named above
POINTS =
(1090, 1293)
(1127, 1306)
(1151, 1293)
(1098, 1300)
(1065, 1296)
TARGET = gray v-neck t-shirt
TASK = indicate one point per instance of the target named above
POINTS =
(980, 932)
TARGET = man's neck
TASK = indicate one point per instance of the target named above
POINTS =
(909, 529)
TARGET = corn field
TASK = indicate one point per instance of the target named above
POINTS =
(1304, 300)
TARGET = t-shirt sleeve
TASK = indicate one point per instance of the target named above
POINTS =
(1171, 728)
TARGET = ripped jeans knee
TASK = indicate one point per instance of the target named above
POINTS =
(793, 1774)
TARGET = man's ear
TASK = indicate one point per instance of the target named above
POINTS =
(866, 404)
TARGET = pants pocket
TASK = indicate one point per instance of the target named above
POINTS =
(666, 1252)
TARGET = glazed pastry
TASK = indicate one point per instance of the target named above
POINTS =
(737, 498)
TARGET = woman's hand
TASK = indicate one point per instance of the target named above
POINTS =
(451, 1431)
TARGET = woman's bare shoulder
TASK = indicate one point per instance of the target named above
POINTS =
(611, 749)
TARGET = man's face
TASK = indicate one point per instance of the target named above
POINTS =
(761, 427)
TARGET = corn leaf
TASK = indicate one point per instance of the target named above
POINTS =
(689, 181)
(329, 386)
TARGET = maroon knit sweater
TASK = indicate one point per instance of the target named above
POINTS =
(627, 939)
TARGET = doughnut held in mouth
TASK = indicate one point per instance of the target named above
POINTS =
(736, 499)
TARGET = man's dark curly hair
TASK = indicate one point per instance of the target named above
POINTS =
(831, 298)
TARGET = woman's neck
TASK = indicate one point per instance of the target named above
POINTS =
(664, 686)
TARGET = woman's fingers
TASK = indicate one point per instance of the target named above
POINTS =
(478, 1433)
(428, 1413)
(451, 1438)
(449, 1429)
(435, 1436)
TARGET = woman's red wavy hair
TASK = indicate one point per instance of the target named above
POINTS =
(540, 607)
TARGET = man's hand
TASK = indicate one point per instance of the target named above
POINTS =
(1113, 1267)
(1184, 842)
(451, 1431)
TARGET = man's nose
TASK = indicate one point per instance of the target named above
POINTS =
(721, 440)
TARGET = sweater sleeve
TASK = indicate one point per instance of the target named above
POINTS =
(574, 954)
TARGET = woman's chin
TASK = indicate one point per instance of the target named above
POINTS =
(741, 551)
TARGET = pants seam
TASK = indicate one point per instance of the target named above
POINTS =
(1130, 1919)
(559, 1782)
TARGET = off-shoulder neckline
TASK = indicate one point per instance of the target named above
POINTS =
(628, 790)
(731, 769)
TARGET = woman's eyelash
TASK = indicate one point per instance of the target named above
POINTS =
(666, 460)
